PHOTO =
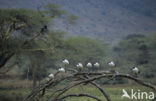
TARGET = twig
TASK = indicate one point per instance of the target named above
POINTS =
(100, 89)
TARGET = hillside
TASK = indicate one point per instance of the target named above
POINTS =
(108, 19)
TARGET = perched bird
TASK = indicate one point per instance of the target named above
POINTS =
(89, 64)
(65, 61)
(96, 64)
(79, 66)
(111, 64)
(136, 71)
(44, 28)
(61, 70)
(51, 76)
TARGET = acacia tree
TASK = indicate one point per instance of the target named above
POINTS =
(25, 31)
(15, 28)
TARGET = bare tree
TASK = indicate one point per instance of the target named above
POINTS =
(79, 78)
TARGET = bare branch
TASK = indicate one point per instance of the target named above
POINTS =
(52, 83)
(94, 76)
(119, 75)
(7, 69)
(101, 89)
(4, 61)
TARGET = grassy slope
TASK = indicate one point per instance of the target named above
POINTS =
(108, 19)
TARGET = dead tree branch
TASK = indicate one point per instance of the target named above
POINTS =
(100, 89)
(86, 77)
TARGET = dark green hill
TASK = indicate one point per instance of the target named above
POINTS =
(109, 19)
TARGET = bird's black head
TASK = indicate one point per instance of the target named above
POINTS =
(45, 26)
(132, 67)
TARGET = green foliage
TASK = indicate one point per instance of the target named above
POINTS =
(16, 26)
(42, 54)
(21, 34)
(46, 51)
(30, 18)
(137, 50)
(12, 24)
(81, 49)
(133, 49)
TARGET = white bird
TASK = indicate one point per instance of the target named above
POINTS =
(51, 75)
(135, 70)
(65, 61)
(61, 70)
(89, 64)
(125, 94)
(79, 66)
(96, 64)
(111, 64)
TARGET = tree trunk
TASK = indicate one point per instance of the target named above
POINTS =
(4, 59)
(34, 74)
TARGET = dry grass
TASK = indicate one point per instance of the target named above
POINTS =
(15, 83)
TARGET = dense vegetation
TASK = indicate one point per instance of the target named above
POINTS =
(29, 50)
(108, 19)
(24, 44)
(137, 50)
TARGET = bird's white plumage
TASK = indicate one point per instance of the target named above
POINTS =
(79, 65)
(111, 64)
(96, 64)
(89, 64)
(65, 61)
(135, 70)
(51, 75)
(61, 70)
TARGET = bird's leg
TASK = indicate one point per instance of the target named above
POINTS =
(136, 75)
(114, 74)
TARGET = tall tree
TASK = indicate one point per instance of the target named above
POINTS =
(19, 27)
(134, 48)
(14, 26)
